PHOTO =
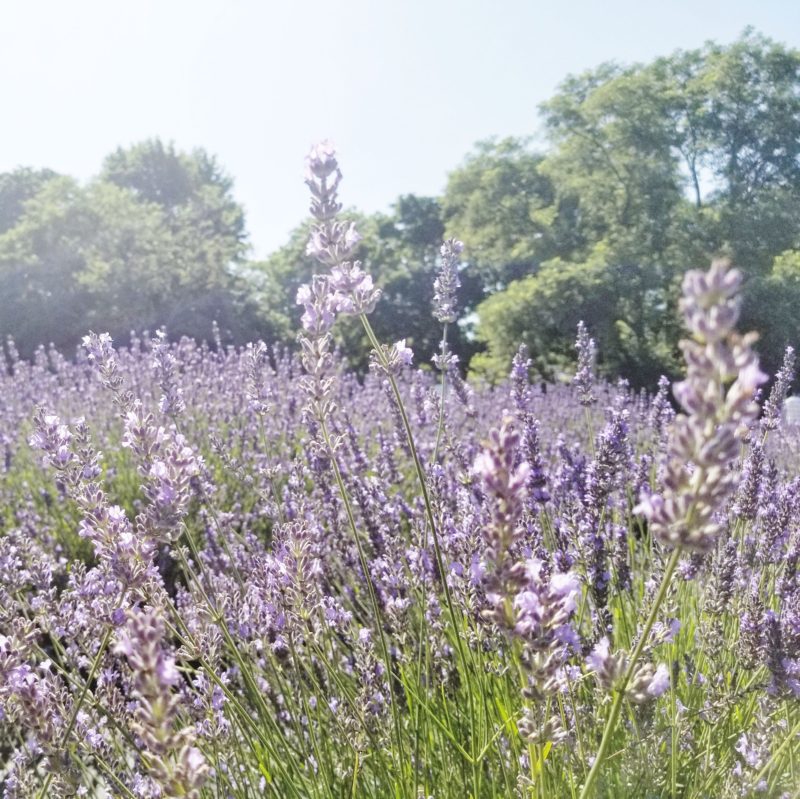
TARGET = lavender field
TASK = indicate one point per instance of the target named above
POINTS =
(243, 571)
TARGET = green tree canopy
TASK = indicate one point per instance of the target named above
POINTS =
(16, 188)
(501, 205)
(624, 305)
(662, 166)
(110, 257)
(194, 193)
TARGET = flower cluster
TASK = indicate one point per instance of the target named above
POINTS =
(648, 682)
(717, 398)
(347, 289)
(584, 375)
(447, 283)
(504, 480)
(175, 765)
(333, 242)
(250, 571)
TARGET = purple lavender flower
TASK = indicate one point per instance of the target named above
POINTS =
(646, 683)
(164, 362)
(447, 283)
(717, 413)
(584, 375)
(173, 761)
(780, 388)
(333, 242)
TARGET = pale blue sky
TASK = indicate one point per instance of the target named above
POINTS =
(403, 88)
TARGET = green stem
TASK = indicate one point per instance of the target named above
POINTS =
(79, 704)
(370, 590)
(380, 354)
(423, 484)
(790, 738)
(443, 366)
(619, 696)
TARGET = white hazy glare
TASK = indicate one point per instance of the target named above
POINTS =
(404, 88)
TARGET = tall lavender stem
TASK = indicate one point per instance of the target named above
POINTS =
(444, 310)
(717, 397)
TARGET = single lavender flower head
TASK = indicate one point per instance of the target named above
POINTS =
(321, 165)
(502, 479)
(584, 375)
(395, 358)
(447, 283)
(402, 353)
(711, 302)
(99, 347)
(780, 389)
(173, 761)
(355, 286)
(53, 437)
(100, 353)
(321, 160)
(445, 360)
(165, 364)
(717, 398)
(647, 682)
(520, 384)
(333, 242)
(320, 303)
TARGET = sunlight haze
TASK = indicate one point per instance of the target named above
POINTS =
(403, 89)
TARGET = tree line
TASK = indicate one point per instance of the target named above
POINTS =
(647, 171)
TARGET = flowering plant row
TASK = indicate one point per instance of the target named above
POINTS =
(242, 572)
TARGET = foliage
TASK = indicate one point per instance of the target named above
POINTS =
(196, 197)
(645, 171)
(662, 166)
(772, 306)
(625, 305)
(118, 255)
(502, 206)
(16, 188)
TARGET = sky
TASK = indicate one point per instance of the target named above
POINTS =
(404, 89)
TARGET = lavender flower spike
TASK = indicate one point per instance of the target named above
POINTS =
(584, 376)
(333, 241)
(783, 380)
(505, 485)
(176, 765)
(447, 283)
(717, 400)
(646, 683)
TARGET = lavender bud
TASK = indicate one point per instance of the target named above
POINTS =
(717, 413)
(447, 283)
(584, 375)
(780, 388)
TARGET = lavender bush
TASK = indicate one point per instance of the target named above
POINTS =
(245, 572)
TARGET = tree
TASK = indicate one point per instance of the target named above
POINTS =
(16, 188)
(274, 283)
(613, 156)
(501, 205)
(664, 166)
(772, 306)
(101, 257)
(624, 305)
(41, 257)
(710, 128)
(737, 112)
(402, 253)
(194, 194)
